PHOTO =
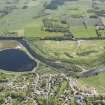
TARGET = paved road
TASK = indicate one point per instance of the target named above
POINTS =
(93, 72)
(50, 62)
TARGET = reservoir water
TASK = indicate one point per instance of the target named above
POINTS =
(16, 60)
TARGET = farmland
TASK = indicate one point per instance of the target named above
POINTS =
(78, 15)
(16, 11)
(66, 38)
(82, 21)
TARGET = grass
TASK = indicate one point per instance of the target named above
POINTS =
(61, 88)
(103, 20)
(89, 54)
(53, 99)
(19, 18)
(34, 30)
(81, 31)
(69, 9)
(74, 8)
(98, 82)
(43, 69)
(26, 21)
(8, 44)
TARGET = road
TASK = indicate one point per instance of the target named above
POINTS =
(35, 55)
(49, 62)
(93, 72)
(53, 63)
(58, 66)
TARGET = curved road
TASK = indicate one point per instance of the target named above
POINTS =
(44, 60)
(53, 63)
(59, 67)
(93, 72)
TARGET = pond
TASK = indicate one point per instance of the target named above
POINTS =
(16, 60)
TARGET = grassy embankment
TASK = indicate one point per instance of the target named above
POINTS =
(88, 55)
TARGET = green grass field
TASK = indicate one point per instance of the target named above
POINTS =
(84, 54)
(28, 21)
(98, 82)
(80, 31)
(88, 55)
(69, 9)
(19, 18)
(34, 30)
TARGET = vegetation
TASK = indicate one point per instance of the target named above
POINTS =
(45, 24)
(95, 81)
(84, 54)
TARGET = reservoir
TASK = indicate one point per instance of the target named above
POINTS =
(16, 60)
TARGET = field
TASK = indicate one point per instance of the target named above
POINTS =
(79, 16)
(8, 44)
(34, 30)
(86, 54)
(34, 12)
(23, 12)
(96, 81)
(36, 19)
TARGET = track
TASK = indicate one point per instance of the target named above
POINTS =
(52, 63)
